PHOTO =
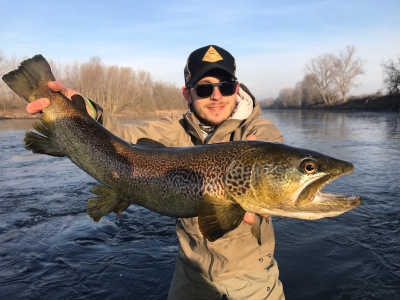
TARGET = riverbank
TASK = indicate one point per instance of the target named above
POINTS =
(364, 103)
(367, 103)
(374, 102)
(16, 114)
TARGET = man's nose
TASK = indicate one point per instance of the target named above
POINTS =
(216, 95)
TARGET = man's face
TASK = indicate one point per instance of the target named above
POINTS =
(215, 109)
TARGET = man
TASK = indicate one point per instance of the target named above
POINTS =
(220, 110)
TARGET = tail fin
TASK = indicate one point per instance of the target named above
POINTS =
(31, 75)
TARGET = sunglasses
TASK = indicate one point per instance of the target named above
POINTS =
(205, 90)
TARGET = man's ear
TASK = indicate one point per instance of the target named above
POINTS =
(237, 87)
(186, 94)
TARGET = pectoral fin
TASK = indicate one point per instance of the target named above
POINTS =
(256, 228)
(106, 201)
(218, 216)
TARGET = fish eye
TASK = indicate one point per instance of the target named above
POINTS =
(309, 167)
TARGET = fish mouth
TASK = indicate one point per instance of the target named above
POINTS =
(333, 199)
(311, 203)
(306, 200)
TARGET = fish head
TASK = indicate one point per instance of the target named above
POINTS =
(280, 180)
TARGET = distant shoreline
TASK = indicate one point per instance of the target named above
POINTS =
(16, 114)
(386, 103)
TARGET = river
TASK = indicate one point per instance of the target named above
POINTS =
(51, 249)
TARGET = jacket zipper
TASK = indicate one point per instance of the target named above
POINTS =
(196, 132)
(212, 260)
(189, 120)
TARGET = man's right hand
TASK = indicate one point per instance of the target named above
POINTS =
(56, 86)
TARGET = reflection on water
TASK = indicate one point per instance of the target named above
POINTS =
(50, 248)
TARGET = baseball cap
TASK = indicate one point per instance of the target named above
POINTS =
(205, 59)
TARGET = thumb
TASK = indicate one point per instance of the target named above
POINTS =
(55, 86)
(58, 87)
(251, 137)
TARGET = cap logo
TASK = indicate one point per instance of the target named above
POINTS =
(212, 55)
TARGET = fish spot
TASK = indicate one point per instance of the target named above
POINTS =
(115, 175)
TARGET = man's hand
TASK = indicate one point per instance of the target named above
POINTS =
(249, 217)
(55, 86)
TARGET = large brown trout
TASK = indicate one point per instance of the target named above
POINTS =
(217, 182)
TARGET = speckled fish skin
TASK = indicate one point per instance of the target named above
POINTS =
(209, 180)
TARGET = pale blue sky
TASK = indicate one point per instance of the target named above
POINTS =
(271, 40)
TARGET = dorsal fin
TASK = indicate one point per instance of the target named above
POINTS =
(149, 143)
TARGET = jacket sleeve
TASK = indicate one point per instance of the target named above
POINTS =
(163, 130)
(265, 130)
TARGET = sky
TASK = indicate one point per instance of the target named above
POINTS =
(272, 41)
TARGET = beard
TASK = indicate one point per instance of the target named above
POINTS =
(201, 119)
(206, 121)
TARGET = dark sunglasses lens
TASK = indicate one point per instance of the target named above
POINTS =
(204, 90)
(227, 88)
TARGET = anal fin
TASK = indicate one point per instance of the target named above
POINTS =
(100, 206)
(218, 216)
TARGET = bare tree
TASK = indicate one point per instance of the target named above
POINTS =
(267, 102)
(322, 75)
(391, 73)
(3, 63)
(166, 95)
(114, 88)
(297, 95)
(309, 91)
(92, 79)
(346, 67)
(8, 99)
(289, 97)
(283, 98)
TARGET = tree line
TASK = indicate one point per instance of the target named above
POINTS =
(116, 88)
(328, 79)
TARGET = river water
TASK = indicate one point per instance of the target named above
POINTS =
(51, 249)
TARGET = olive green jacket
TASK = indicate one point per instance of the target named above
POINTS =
(237, 252)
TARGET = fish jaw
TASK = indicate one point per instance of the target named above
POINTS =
(312, 203)
(315, 212)
(287, 182)
(323, 205)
